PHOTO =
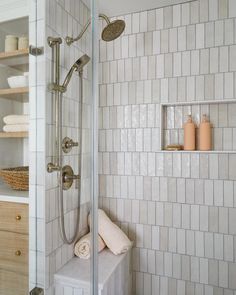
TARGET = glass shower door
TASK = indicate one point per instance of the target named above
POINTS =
(18, 142)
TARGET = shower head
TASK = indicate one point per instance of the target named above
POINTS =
(77, 66)
(81, 62)
(113, 30)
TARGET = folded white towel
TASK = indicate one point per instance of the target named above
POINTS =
(16, 128)
(115, 239)
(83, 246)
(16, 119)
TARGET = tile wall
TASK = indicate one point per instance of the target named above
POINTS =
(179, 208)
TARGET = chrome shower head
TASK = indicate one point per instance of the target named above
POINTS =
(77, 66)
(113, 30)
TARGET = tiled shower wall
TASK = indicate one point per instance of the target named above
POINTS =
(60, 18)
(179, 208)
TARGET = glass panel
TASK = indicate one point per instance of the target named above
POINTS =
(68, 143)
(18, 109)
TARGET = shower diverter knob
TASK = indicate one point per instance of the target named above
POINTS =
(68, 177)
(68, 144)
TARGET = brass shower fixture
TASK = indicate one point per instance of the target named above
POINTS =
(111, 31)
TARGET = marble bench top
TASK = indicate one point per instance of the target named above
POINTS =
(77, 271)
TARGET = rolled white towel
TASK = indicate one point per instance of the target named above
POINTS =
(16, 128)
(115, 239)
(16, 119)
(83, 246)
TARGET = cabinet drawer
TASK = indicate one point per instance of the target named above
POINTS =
(14, 217)
(12, 283)
(14, 252)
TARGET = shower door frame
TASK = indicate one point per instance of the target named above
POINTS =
(94, 147)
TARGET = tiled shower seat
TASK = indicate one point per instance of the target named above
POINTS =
(114, 275)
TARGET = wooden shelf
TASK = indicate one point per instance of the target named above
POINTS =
(14, 134)
(16, 53)
(15, 93)
(15, 59)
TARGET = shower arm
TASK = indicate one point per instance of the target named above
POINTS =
(70, 40)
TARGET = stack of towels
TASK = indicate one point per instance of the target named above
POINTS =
(110, 235)
(16, 123)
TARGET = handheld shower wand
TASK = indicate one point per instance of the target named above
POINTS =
(77, 66)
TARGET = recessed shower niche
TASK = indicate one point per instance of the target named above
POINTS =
(221, 115)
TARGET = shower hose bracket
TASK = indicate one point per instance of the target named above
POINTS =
(51, 167)
(35, 51)
(56, 87)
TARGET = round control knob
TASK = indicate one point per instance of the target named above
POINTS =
(18, 253)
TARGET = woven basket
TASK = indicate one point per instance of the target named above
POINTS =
(17, 178)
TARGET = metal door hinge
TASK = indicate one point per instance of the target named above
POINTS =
(37, 291)
(35, 50)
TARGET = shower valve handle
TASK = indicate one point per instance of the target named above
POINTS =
(71, 177)
(68, 144)
(71, 144)
(68, 177)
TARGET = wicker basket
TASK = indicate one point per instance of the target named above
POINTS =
(17, 178)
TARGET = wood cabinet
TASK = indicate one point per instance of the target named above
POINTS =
(14, 217)
(14, 248)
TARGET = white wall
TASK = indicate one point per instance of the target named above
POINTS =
(11, 9)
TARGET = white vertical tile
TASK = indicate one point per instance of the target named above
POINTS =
(195, 62)
(135, 23)
(223, 274)
(159, 19)
(177, 64)
(151, 19)
(185, 13)
(232, 8)
(213, 10)
(223, 8)
(204, 10)
(219, 33)
(203, 271)
(182, 38)
(140, 44)
(173, 40)
(164, 41)
(224, 59)
(200, 36)
(210, 34)
(229, 85)
(176, 15)
(214, 58)
(156, 42)
(143, 21)
(229, 32)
